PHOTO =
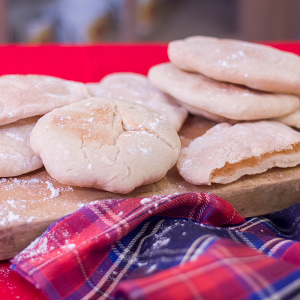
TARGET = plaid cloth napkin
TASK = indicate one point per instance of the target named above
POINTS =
(185, 246)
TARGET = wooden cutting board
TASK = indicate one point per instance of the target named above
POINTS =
(27, 208)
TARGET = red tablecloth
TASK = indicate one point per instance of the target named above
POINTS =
(81, 63)
(86, 64)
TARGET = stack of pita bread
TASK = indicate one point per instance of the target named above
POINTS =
(102, 142)
(24, 98)
(231, 81)
(121, 132)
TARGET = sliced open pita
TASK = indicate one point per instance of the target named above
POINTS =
(225, 153)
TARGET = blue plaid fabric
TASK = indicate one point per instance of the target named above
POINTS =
(189, 246)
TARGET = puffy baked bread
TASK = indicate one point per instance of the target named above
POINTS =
(292, 119)
(109, 144)
(205, 114)
(137, 88)
(23, 96)
(220, 98)
(225, 153)
(257, 66)
(16, 155)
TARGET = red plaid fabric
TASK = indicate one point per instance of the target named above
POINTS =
(226, 270)
(188, 246)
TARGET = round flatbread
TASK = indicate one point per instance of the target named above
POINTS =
(24, 96)
(225, 153)
(256, 66)
(16, 155)
(222, 99)
(137, 88)
(108, 144)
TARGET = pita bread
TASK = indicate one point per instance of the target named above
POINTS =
(225, 153)
(222, 99)
(205, 114)
(256, 66)
(24, 96)
(292, 119)
(137, 88)
(108, 144)
(16, 155)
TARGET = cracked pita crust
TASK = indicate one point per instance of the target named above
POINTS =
(108, 144)
(24, 96)
(225, 153)
(256, 66)
(137, 88)
(16, 155)
(222, 99)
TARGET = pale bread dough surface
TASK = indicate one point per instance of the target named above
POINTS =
(223, 99)
(108, 144)
(225, 153)
(205, 114)
(292, 119)
(257, 66)
(137, 88)
(24, 96)
(16, 155)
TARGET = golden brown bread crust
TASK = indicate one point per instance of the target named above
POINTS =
(225, 153)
